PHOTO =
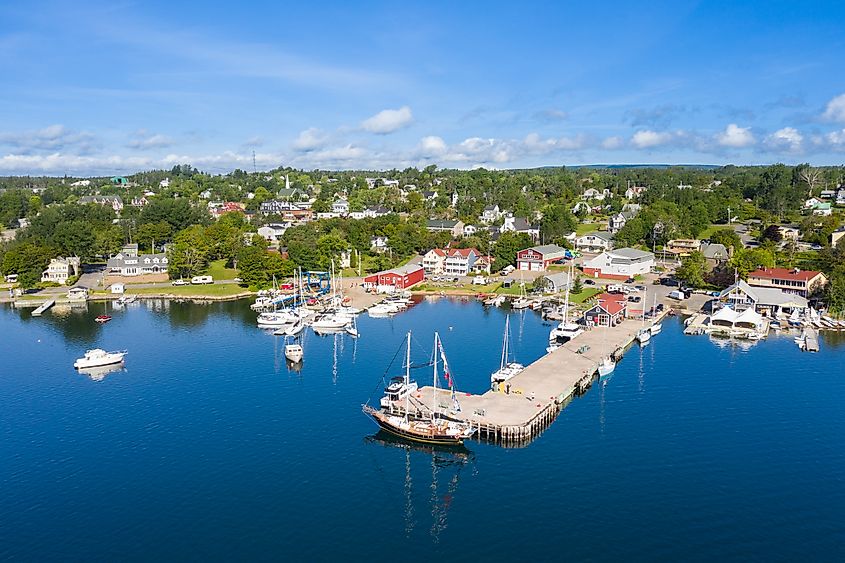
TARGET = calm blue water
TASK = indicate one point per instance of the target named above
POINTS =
(207, 447)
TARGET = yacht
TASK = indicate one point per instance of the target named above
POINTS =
(98, 357)
(293, 352)
(566, 330)
(330, 321)
(643, 335)
(276, 319)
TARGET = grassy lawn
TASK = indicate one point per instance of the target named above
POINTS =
(219, 271)
(706, 233)
(210, 290)
(585, 294)
(585, 228)
(463, 288)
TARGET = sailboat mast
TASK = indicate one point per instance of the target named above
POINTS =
(505, 344)
(408, 377)
(434, 404)
(566, 299)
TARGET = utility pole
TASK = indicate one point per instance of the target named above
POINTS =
(729, 215)
(254, 168)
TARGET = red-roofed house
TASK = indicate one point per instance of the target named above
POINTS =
(800, 282)
(451, 261)
(609, 310)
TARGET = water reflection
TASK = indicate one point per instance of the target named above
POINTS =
(447, 464)
(100, 373)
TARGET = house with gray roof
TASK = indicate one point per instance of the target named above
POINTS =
(128, 262)
(596, 241)
(113, 201)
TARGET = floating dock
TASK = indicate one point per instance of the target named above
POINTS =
(43, 307)
(536, 395)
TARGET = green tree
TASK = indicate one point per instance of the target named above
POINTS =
(692, 269)
(28, 261)
(153, 233)
(75, 238)
(188, 255)
(727, 237)
(577, 285)
(836, 291)
(108, 241)
(747, 260)
(507, 246)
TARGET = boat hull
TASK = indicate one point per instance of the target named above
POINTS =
(442, 440)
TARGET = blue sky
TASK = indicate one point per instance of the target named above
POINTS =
(108, 87)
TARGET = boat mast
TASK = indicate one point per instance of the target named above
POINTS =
(434, 404)
(566, 299)
(408, 377)
(505, 344)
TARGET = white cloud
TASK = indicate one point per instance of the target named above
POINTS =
(787, 138)
(612, 143)
(534, 143)
(388, 121)
(144, 140)
(835, 110)
(52, 138)
(310, 139)
(647, 139)
(836, 139)
(735, 136)
(431, 146)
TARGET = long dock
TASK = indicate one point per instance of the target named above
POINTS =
(43, 307)
(535, 396)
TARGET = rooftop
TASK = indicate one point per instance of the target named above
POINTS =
(784, 274)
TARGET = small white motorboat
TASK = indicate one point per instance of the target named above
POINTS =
(655, 328)
(643, 336)
(293, 352)
(606, 366)
(98, 357)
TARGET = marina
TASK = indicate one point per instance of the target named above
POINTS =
(209, 395)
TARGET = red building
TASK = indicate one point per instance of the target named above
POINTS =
(609, 311)
(400, 278)
(537, 258)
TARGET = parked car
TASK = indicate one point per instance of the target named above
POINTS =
(588, 281)
(634, 298)
(180, 281)
(677, 294)
(12, 278)
(238, 280)
(669, 282)
(630, 280)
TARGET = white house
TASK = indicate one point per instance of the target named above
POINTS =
(470, 230)
(60, 269)
(581, 206)
(379, 244)
(128, 262)
(81, 184)
(634, 192)
(592, 193)
(164, 183)
(341, 207)
(113, 201)
(272, 232)
(519, 225)
(594, 242)
(490, 214)
(620, 264)
(616, 222)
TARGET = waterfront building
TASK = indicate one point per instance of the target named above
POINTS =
(402, 277)
(594, 242)
(60, 269)
(610, 310)
(451, 261)
(765, 300)
(800, 282)
(128, 262)
(538, 258)
(620, 264)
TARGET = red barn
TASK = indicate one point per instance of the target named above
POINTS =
(537, 258)
(400, 278)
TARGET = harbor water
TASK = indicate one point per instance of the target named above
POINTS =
(208, 446)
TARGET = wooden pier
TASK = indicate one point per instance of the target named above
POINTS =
(532, 399)
(43, 307)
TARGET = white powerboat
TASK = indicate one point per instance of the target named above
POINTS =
(655, 328)
(276, 319)
(382, 310)
(98, 358)
(293, 352)
(643, 335)
(331, 321)
(606, 366)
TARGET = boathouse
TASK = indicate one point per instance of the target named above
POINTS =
(610, 310)
(397, 278)
(538, 258)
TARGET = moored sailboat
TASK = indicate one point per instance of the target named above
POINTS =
(506, 369)
(431, 429)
